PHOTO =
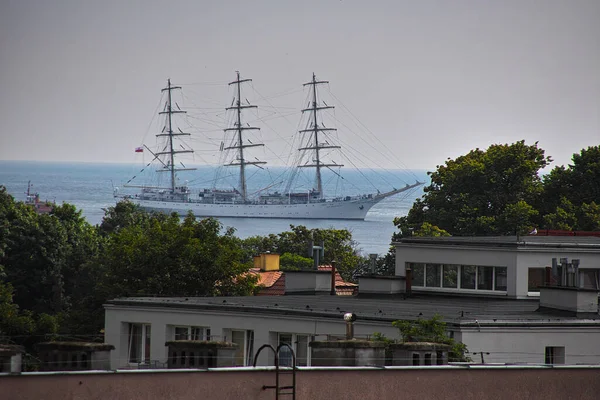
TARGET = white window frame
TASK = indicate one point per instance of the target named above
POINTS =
(205, 332)
(458, 279)
(248, 335)
(294, 346)
(144, 358)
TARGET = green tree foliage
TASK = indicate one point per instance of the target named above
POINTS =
(431, 330)
(295, 262)
(22, 327)
(166, 257)
(339, 246)
(122, 215)
(572, 194)
(480, 192)
(428, 230)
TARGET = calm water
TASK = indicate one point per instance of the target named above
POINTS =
(90, 187)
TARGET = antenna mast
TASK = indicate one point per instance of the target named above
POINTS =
(170, 166)
(239, 145)
(315, 129)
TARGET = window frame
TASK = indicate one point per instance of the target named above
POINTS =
(145, 344)
(295, 345)
(495, 272)
(205, 332)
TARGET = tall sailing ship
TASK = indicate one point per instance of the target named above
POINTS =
(238, 202)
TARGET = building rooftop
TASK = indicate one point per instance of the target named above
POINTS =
(456, 310)
(510, 241)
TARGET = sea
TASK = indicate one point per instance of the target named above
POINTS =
(90, 186)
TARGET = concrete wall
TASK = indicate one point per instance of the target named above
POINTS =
(448, 383)
(527, 344)
(264, 326)
(307, 281)
(380, 285)
(568, 299)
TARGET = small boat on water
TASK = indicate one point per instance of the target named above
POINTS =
(310, 203)
(33, 199)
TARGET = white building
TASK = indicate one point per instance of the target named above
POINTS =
(481, 287)
(493, 266)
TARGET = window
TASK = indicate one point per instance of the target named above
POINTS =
(427, 358)
(485, 278)
(439, 358)
(191, 333)
(285, 355)
(139, 343)
(302, 350)
(416, 359)
(299, 343)
(432, 275)
(589, 278)
(473, 277)
(536, 279)
(500, 278)
(245, 347)
(418, 273)
(450, 276)
(554, 355)
(468, 277)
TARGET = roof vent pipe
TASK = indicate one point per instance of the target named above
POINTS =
(373, 260)
(349, 318)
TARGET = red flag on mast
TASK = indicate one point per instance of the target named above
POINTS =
(139, 149)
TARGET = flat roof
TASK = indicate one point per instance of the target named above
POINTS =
(588, 242)
(453, 309)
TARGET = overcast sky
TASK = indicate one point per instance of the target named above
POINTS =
(80, 80)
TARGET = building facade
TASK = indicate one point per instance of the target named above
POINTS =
(489, 291)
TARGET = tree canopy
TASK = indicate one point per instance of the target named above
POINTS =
(499, 191)
(338, 243)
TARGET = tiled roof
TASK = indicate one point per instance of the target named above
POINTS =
(273, 282)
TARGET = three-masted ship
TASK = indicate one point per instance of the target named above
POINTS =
(237, 202)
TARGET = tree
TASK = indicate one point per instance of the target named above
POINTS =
(431, 330)
(338, 243)
(123, 214)
(22, 327)
(480, 192)
(163, 256)
(571, 195)
(295, 262)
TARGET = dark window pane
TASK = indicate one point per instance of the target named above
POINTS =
(536, 278)
(500, 279)
(485, 278)
(450, 276)
(428, 359)
(418, 274)
(432, 275)
(590, 278)
(416, 359)
(467, 277)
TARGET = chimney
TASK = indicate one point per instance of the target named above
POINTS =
(567, 296)
(307, 282)
(267, 261)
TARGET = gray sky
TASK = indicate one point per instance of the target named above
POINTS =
(80, 80)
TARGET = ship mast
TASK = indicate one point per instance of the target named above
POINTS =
(239, 144)
(314, 128)
(168, 132)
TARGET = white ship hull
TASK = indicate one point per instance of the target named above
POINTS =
(355, 209)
